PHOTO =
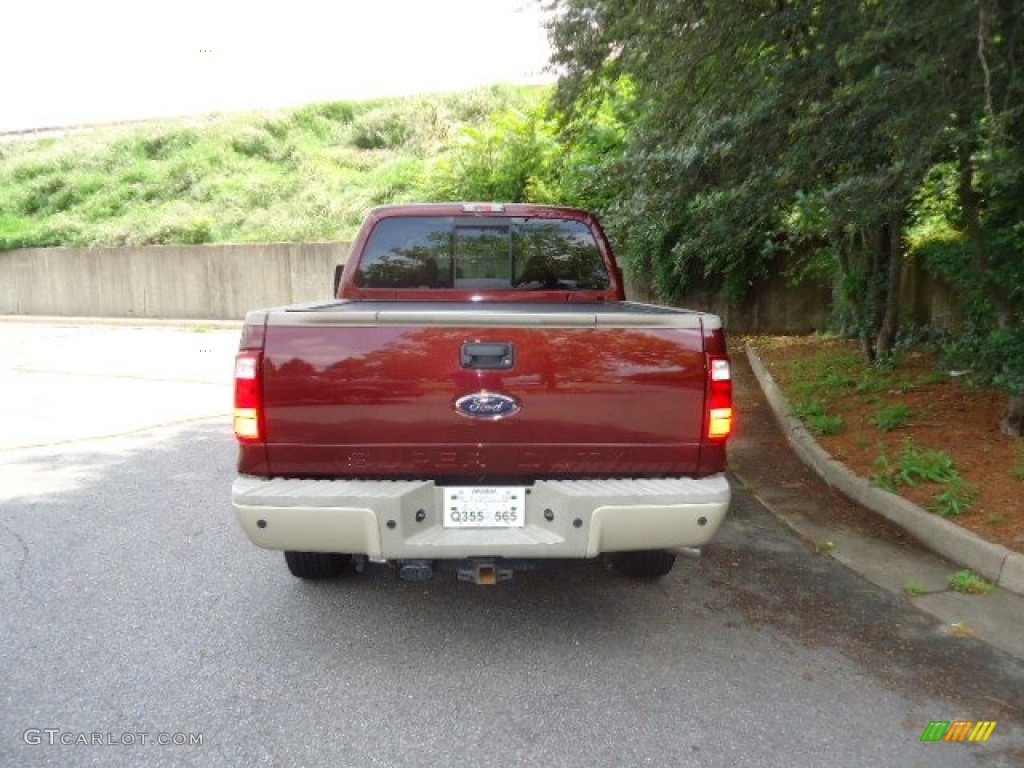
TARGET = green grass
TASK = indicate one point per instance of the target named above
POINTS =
(915, 588)
(831, 375)
(970, 583)
(293, 175)
(817, 418)
(916, 466)
(923, 465)
(955, 499)
(1018, 466)
(826, 375)
(892, 416)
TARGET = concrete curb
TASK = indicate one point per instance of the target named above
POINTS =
(993, 561)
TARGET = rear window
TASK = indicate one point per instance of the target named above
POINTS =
(474, 253)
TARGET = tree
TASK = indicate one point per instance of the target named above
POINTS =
(971, 228)
(802, 126)
(515, 154)
(756, 119)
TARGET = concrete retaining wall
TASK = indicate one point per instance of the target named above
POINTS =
(200, 281)
(774, 305)
(223, 282)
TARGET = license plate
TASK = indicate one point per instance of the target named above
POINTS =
(479, 507)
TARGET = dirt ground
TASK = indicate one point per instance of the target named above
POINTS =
(943, 412)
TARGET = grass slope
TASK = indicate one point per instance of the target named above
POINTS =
(304, 174)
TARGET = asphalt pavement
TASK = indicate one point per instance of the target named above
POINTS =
(132, 607)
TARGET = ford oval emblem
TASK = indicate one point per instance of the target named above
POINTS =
(487, 405)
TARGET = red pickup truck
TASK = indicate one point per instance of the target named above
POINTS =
(480, 398)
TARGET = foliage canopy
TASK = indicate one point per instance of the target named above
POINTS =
(815, 130)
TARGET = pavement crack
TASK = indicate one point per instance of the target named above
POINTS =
(19, 572)
(121, 376)
(111, 435)
(1002, 567)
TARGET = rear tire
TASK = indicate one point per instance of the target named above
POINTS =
(317, 565)
(644, 564)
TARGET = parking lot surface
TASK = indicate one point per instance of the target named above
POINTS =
(134, 611)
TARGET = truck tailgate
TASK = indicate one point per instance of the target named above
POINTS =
(379, 389)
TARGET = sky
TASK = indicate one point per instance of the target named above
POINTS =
(68, 62)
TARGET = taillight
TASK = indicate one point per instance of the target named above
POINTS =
(719, 398)
(248, 396)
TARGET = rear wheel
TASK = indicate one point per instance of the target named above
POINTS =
(316, 565)
(645, 564)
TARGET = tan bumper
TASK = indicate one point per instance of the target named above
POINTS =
(392, 520)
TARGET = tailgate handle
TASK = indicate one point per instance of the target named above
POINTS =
(488, 355)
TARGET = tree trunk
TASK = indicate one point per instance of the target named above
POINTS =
(889, 325)
(876, 273)
(1012, 423)
(840, 286)
(970, 206)
(867, 347)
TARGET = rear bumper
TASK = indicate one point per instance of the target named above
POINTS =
(401, 519)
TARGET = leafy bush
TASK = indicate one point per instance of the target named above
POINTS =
(978, 250)
(505, 158)
(993, 355)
